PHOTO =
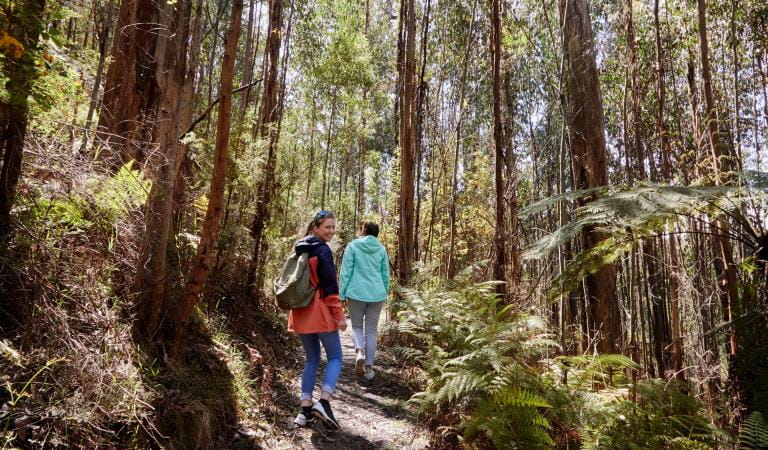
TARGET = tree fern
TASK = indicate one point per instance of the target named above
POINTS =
(625, 216)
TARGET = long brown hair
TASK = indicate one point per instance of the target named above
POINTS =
(318, 220)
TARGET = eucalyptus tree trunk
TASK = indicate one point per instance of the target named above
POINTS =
(274, 136)
(250, 56)
(500, 264)
(362, 145)
(586, 130)
(361, 155)
(20, 73)
(661, 124)
(327, 154)
(723, 166)
(131, 92)
(268, 124)
(736, 93)
(186, 167)
(205, 249)
(666, 174)
(407, 142)
(512, 225)
(311, 162)
(656, 292)
(451, 269)
(170, 56)
(103, 44)
(421, 99)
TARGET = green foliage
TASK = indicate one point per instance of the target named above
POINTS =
(586, 370)
(65, 212)
(115, 196)
(511, 416)
(490, 364)
(626, 216)
(665, 417)
(109, 200)
(754, 434)
(23, 55)
(480, 357)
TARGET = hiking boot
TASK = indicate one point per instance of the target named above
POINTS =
(322, 410)
(305, 417)
(359, 362)
(369, 373)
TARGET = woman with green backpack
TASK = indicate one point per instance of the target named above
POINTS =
(364, 284)
(319, 323)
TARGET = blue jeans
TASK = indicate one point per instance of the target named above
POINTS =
(311, 342)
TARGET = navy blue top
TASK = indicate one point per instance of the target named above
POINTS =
(326, 269)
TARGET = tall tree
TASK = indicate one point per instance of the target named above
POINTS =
(586, 135)
(407, 140)
(170, 77)
(500, 265)
(666, 169)
(205, 251)
(24, 21)
(131, 91)
(421, 100)
(451, 265)
(103, 35)
(723, 165)
(660, 322)
(268, 121)
(362, 144)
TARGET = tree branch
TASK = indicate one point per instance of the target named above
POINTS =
(210, 107)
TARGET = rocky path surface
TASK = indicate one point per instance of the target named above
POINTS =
(373, 414)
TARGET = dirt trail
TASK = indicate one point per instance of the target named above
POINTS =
(373, 414)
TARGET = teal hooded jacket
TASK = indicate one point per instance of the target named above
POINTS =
(364, 271)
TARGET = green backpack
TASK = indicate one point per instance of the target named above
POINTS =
(292, 287)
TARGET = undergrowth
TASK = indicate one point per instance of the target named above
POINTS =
(71, 373)
(493, 378)
(482, 359)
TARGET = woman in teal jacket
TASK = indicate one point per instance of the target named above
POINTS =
(364, 283)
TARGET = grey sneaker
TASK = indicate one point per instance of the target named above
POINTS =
(369, 373)
(359, 362)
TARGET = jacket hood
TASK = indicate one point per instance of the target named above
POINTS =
(368, 244)
(306, 244)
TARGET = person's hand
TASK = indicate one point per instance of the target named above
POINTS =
(342, 325)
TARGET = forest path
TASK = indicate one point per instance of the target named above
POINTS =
(372, 414)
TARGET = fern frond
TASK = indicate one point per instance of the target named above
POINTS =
(615, 360)
(643, 211)
(551, 202)
(407, 353)
(754, 434)
(683, 443)
(458, 385)
(521, 398)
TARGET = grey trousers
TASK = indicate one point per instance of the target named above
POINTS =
(365, 326)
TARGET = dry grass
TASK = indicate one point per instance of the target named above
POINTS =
(71, 371)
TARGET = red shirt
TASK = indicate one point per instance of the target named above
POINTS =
(323, 313)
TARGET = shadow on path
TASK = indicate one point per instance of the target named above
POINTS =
(373, 414)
